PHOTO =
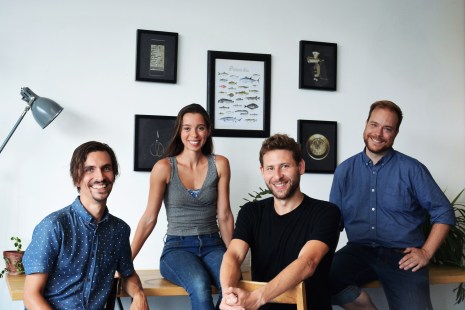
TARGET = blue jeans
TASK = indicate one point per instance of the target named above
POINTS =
(194, 262)
(355, 265)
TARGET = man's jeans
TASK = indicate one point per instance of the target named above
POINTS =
(194, 262)
(355, 265)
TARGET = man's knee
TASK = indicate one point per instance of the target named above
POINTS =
(353, 298)
(346, 295)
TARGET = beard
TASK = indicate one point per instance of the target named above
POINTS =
(378, 151)
(286, 194)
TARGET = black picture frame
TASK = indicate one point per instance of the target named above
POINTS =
(318, 140)
(152, 135)
(157, 56)
(318, 65)
(239, 90)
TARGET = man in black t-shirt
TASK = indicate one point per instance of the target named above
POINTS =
(292, 237)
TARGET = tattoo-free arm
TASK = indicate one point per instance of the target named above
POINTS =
(159, 177)
(416, 258)
(34, 286)
(133, 287)
(225, 216)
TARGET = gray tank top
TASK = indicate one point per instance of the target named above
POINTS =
(187, 215)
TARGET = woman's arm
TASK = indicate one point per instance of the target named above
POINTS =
(225, 216)
(159, 178)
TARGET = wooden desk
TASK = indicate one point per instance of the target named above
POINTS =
(152, 281)
(155, 285)
(15, 286)
(437, 275)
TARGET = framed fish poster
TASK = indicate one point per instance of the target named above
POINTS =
(239, 94)
(152, 135)
(318, 140)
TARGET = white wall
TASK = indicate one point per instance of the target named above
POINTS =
(82, 54)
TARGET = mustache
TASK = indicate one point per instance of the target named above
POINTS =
(104, 182)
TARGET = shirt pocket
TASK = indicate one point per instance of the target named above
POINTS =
(107, 260)
(395, 196)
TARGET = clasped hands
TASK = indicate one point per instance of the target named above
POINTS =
(237, 299)
(414, 259)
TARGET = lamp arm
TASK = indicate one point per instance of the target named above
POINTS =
(14, 127)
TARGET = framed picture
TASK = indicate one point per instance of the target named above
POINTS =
(319, 145)
(157, 56)
(152, 135)
(318, 65)
(239, 94)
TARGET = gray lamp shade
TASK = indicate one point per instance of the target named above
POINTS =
(45, 110)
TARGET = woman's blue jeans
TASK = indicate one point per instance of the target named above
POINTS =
(194, 262)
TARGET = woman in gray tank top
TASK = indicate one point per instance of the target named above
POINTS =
(194, 186)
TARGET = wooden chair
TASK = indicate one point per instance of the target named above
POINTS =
(295, 295)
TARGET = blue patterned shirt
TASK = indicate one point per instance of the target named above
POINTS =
(80, 256)
(385, 204)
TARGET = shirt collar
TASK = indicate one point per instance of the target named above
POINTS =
(86, 216)
(383, 161)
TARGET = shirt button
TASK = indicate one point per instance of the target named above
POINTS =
(374, 172)
(372, 209)
(372, 227)
(372, 190)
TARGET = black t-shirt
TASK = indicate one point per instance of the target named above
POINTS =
(276, 240)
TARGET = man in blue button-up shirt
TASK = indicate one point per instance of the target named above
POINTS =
(75, 251)
(383, 196)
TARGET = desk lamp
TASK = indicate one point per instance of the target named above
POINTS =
(43, 109)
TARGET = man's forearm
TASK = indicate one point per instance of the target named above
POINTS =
(435, 238)
(133, 287)
(230, 272)
(289, 277)
(34, 287)
(36, 302)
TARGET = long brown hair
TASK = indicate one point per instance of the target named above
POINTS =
(176, 147)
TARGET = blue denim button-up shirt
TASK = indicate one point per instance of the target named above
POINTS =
(385, 204)
(80, 256)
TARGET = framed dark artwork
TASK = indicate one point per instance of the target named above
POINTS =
(153, 133)
(319, 145)
(239, 94)
(318, 65)
(157, 56)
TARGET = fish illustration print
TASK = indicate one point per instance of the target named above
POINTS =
(225, 100)
(242, 112)
(247, 79)
(230, 119)
(251, 106)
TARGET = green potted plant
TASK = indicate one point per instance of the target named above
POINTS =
(13, 259)
(263, 193)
